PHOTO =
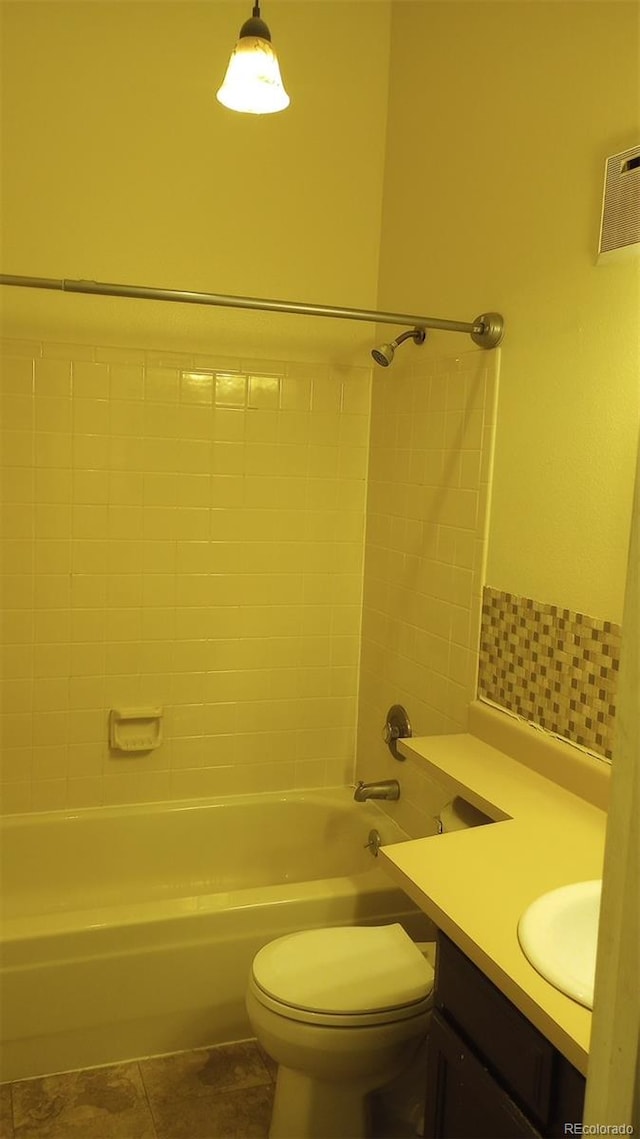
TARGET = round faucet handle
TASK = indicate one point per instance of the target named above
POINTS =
(397, 727)
(374, 843)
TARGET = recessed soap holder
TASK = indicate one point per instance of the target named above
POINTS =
(135, 729)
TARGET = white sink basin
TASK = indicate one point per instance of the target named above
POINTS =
(559, 933)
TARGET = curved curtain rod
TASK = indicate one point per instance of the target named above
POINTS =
(486, 330)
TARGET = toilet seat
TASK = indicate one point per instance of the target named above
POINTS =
(349, 976)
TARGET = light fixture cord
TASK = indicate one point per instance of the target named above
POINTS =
(256, 10)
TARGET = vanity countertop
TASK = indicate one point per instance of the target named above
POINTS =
(475, 884)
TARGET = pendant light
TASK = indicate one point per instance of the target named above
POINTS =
(253, 83)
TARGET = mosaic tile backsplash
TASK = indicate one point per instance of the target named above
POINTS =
(549, 665)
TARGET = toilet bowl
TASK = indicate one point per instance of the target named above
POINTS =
(342, 1011)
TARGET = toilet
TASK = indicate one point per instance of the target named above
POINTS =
(343, 1011)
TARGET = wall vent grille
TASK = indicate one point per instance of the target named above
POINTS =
(620, 223)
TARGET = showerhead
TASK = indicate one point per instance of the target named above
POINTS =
(385, 353)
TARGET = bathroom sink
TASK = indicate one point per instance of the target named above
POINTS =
(558, 934)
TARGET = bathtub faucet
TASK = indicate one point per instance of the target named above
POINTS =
(386, 789)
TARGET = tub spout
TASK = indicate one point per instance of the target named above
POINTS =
(386, 789)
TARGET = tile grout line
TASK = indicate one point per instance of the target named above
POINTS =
(148, 1101)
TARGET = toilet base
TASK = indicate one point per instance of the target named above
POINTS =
(307, 1108)
(399, 1106)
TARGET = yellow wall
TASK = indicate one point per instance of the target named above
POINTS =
(500, 118)
(172, 537)
(120, 165)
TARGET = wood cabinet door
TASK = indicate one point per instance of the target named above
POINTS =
(463, 1100)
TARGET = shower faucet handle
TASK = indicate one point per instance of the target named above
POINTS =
(397, 727)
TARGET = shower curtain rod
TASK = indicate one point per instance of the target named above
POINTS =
(486, 330)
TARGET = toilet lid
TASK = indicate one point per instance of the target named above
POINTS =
(347, 969)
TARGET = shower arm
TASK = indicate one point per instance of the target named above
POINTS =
(486, 330)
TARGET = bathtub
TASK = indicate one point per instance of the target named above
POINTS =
(130, 931)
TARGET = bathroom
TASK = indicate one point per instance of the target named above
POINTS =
(221, 513)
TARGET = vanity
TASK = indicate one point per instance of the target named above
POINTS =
(508, 1051)
(490, 1073)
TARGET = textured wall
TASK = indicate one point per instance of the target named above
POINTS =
(120, 165)
(500, 119)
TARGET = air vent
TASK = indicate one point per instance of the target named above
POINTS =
(620, 224)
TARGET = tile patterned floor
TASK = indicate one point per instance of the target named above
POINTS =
(213, 1093)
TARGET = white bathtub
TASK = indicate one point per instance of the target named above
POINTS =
(130, 931)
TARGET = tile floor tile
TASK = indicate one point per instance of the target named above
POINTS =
(204, 1072)
(268, 1062)
(100, 1103)
(212, 1093)
(224, 1092)
(6, 1114)
(241, 1114)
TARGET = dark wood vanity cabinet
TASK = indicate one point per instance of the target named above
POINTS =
(490, 1073)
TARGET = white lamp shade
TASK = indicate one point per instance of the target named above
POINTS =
(253, 83)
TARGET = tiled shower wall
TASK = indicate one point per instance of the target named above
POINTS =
(432, 433)
(181, 531)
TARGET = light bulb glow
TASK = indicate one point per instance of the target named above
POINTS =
(253, 83)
